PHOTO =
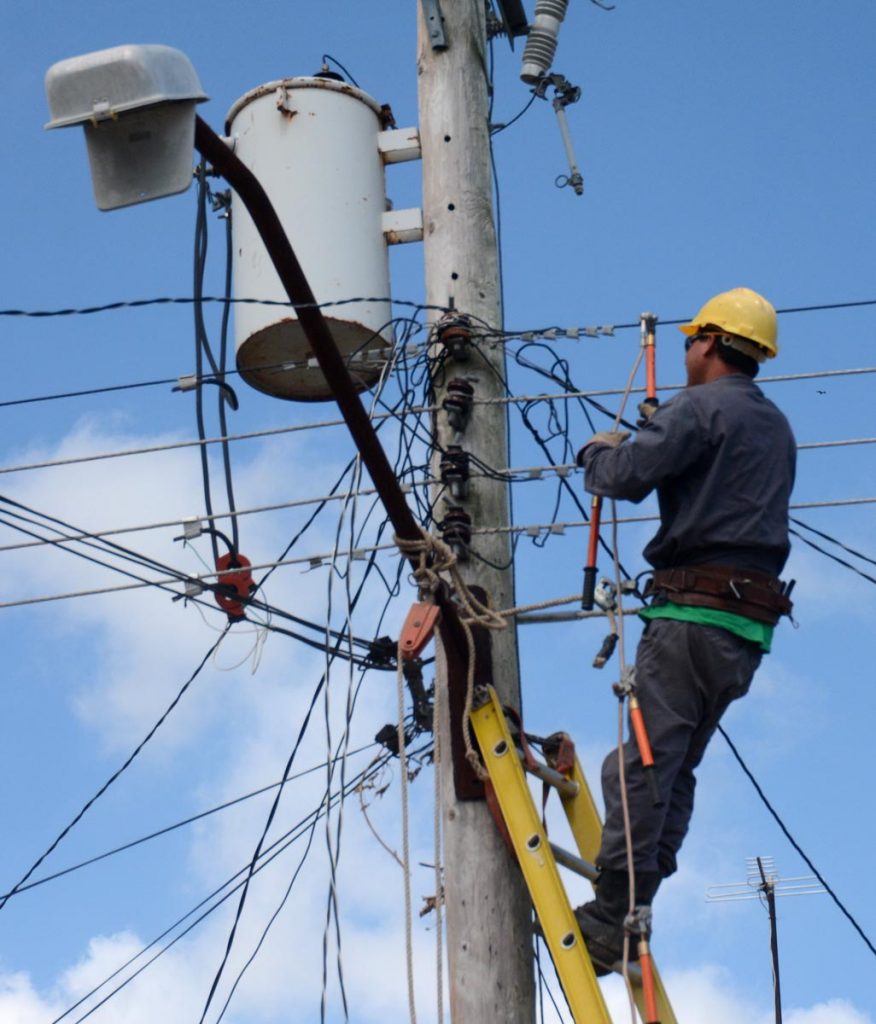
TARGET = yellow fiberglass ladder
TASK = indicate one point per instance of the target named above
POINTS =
(538, 859)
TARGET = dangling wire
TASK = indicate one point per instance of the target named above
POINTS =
(202, 349)
(200, 339)
(223, 358)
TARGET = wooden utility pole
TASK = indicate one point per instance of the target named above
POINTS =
(489, 935)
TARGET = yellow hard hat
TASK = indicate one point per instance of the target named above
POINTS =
(741, 312)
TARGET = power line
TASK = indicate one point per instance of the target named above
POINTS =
(358, 554)
(794, 842)
(91, 801)
(275, 849)
(227, 300)
(187, 300)
(158, 833)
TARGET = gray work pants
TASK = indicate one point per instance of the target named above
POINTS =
(686, 676)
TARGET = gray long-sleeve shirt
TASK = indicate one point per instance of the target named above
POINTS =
(722, 458)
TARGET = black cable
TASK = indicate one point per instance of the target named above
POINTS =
(833, 540)
(275, 849)
(223, 360)
(827, 554)
(5, 899)
(327, 58)
(187, 300)
(365, 661)
(794, 842)
(342, 787)
(270, 818)
(498, 128)
(158, 833)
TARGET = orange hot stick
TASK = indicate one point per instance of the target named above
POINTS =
(589, 589)
(648, 988)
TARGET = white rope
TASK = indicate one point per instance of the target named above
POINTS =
(438, 856)
(406, 852)
(622, 782)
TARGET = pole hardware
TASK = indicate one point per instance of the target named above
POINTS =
(233, 588)
(564, 94)
(412, 669)
(454, 467)
(512, 20)
(648, 328)
(458, 403)
(638, 925)
(456, 529)
(454, 333)
(418, 628)
(435, 24)
(626, 689)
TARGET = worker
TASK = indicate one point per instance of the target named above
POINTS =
(721, 458)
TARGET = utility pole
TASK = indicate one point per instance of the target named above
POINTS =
(489, 935)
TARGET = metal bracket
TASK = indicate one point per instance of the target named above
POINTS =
(435, 24)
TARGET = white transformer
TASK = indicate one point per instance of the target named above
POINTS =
(318, 147)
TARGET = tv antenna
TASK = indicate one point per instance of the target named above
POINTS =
(763, 883)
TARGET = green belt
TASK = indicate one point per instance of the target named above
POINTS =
(757, 632)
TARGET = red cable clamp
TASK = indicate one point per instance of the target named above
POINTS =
(418, 628)
(231, 583)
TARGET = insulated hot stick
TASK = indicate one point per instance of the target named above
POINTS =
(649, 344)
(648, 324)
(624, 689)
(589, 589)
(638, 924)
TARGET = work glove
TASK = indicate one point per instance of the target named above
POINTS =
(647, 408)
(610, 438)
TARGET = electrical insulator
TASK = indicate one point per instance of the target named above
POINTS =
(458, 403)
(456, 529)
(454, 334)
(454, 467)
(541, 43)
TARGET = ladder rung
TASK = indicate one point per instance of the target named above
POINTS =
(573, 863)
(565, 787)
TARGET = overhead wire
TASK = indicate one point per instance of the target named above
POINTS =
(65, 831)
(167, 829)
(270, 854)
(786, 832)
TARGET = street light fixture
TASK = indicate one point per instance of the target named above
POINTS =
(137, 106)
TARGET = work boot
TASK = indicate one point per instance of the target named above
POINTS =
(602, 920)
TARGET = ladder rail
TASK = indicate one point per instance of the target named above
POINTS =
(536, 861)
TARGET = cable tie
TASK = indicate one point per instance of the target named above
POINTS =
(573, 332)
(533, 531)
(535, 474)
(564, 471)
(591, 332)
(187, 383)
(358, 555)
(550, 334)
(607, 330)
(528, 336)
(557, 528)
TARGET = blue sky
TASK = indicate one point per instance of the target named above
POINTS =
(721, 145)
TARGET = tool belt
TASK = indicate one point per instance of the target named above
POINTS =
(755, 595)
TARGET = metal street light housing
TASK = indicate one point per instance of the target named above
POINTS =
(137, 106)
